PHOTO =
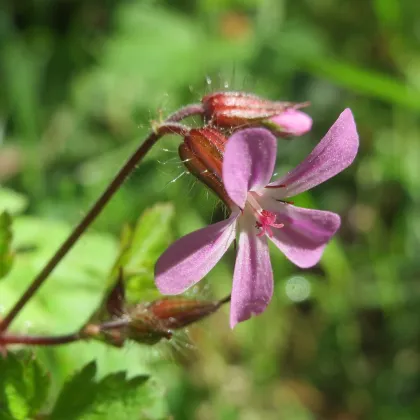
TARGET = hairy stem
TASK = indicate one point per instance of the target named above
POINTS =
(168, 126)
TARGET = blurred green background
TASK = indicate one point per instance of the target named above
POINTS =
(80, 82)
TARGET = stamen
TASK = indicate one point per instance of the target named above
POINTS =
(267, 220)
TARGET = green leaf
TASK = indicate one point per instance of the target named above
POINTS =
(6, 256)
(76, 394)
(12, 201)
(113, 397)
(23, 387)
(141, 248)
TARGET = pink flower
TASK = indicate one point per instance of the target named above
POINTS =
(291, 122)
(260, 212)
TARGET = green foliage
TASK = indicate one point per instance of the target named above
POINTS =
(82, 274)
(115, 396)
(6, 256)
(23, 387)
(11, 201)
(80, 282)
(116, 80)
(140, 248)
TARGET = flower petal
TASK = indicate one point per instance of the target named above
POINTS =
(305, 234)
(252, 287)
(333, 153)
(190, 258)
(248, 162)
(292, 122)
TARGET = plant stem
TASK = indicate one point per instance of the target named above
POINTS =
(88, 332)
(35, 340)
(168, 126)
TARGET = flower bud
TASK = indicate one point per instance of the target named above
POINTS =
(291, 122)
(237, 109)
(202, 154)
(209, 145)
(175, 313)
(154, 321)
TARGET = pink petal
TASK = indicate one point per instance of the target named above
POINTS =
(305, 234)
(292, 122)
(190, 258)
(333, 153)
(253, 278)
(248, 162)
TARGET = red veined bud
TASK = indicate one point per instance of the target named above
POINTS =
(239, 110)
(202, 154)
(175, 313)
(209, 145)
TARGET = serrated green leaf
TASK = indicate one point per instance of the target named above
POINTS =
(140, 250)
(113, 397)
(6, 256)
(76, 394)
(117, 397)
(12, 201)
(23, 387)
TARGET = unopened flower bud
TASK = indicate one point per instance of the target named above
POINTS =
(175, 313)
(291, 122)
(237, 109)
(202, 154)
(154, 321)
(209, 145)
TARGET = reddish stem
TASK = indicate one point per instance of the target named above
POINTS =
(39, 340)
(35, 340)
